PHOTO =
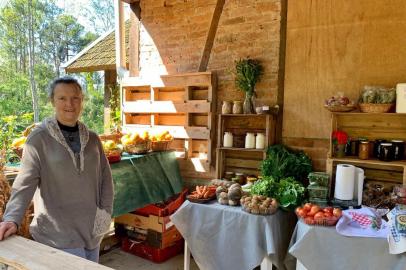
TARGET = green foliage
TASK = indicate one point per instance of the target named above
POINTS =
(287, 191)
(282, 162)
(247, 73)
(93, 111)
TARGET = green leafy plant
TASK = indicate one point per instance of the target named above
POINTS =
(247, 74)
(282, 162)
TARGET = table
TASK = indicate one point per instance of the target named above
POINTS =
(225, 237)
(323, 248)
(143, 179)
(27, 254)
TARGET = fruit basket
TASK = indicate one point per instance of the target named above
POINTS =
(375, 107)
(139, 148)
(160, 145)
(113, 156)
(340, 108)
(313, 214)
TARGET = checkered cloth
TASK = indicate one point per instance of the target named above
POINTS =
(363, 220)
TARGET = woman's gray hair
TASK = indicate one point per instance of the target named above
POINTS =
(66, 80)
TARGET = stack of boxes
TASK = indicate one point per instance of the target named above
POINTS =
(148, 232)
(318, 189)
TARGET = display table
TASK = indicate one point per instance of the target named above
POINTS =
(323, 248)
(144, 179)
(24, 254)
(225, 237)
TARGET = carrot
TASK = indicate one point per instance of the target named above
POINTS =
(198, 190)
(204, 189)
(206, 194)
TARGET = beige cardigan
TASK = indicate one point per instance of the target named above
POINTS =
(68, 191)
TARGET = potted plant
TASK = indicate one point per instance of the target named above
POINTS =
(247, 73)
(339, 139)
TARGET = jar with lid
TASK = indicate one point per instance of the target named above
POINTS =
(228, 139)
(250, 140)
(227, 107)
(240, 177)
(363, 151)
(260, 141)
(398, 149)
(386, 152)
(237, 107)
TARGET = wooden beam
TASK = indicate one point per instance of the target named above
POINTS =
(131, 1)
(110, 79)
(133, 39)
(120, 35)
(211, 35)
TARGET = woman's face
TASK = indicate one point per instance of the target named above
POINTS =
(68, 103)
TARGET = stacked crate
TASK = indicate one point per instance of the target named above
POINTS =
(184, 105)
(148, 232)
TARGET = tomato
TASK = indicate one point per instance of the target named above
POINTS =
(337, 212)
(319, 215)
(297, 210)
(328, 210)
(328, 214)
(307, 206)
(314, 210)
(302, 213)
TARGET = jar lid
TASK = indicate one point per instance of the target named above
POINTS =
(386, 144)
(397, 141)
(238, 173)
(364, 142)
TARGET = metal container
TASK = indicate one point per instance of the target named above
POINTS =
(398, 149)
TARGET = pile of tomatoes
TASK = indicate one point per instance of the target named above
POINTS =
(313, 214)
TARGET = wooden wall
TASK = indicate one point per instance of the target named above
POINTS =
(337, 45)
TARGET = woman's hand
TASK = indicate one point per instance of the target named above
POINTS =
(7, 228)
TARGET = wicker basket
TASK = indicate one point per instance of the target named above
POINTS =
(113, 137)
(139, 148)
(375, 108)
(341, 108)
(18, 151)
(160, 145)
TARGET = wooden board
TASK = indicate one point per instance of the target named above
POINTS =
(146, 106)
(338, 45)
(35, 256)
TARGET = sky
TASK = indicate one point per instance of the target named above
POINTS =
(74, 8)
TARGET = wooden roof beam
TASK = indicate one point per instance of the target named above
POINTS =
(130, 1)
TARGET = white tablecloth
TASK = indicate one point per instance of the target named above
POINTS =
(227, 238)
(323, 248)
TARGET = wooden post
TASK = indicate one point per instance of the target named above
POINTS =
(133, 39)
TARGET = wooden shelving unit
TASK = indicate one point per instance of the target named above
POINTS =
(371, 126)
(183, 104)
(238, 158)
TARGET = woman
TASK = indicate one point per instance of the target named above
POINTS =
(64, 164)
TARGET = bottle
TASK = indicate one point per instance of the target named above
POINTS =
(260, 141)
(250, 140)
(228, 139)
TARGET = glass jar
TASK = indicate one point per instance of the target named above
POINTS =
(250, 140)
(227, 107)
(386, 152)
(228, 139)
(363, 151)
(398, 149)
(260, 141)
(237, 107)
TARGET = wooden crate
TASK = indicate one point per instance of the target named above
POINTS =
(184, 105)
(371, 126)
(240, 159)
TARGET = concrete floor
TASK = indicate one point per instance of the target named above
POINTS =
(120, 260)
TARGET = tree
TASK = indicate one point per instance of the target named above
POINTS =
(101, 15)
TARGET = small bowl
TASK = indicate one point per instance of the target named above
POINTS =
(259, 110)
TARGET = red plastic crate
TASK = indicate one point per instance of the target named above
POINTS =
(163, 209)
(150, 253)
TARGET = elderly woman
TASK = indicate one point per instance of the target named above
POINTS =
(64, 164)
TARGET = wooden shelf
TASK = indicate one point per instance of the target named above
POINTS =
(238, 158)
(371, 126)
(183, 104)
(242, 149)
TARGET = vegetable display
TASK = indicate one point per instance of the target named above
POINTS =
(289, 192)
(282, 162)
